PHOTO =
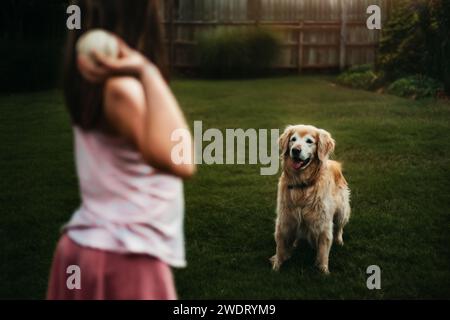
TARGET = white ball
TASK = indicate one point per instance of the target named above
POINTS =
(99, 40)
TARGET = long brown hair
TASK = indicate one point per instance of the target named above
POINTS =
(138, 23)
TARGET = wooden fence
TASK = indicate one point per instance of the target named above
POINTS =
(315, 33)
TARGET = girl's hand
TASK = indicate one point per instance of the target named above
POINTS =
(129, 63)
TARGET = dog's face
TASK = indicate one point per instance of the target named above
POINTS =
(302, 145)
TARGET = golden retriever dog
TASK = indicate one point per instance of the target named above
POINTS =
(313, 197)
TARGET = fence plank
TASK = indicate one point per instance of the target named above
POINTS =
(343, 39)
(300, 47)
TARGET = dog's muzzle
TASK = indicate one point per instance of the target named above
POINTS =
(297, 161)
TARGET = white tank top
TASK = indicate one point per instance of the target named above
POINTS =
(127, 206)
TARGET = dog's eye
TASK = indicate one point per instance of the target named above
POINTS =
(309, 141)
(293, 139)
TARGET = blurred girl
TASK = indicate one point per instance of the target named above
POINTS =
(128, 230)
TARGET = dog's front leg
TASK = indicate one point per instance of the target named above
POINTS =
(323, 249)
(285, 235)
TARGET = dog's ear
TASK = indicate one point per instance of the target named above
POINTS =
(325, 146)
(283, 141)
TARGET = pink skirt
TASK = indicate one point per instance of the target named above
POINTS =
(107, 275)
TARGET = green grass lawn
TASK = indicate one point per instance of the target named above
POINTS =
(396, 155)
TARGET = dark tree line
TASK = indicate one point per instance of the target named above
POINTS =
(32, 34)
(28, 19)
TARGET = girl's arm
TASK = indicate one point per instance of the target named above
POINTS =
(140, 106)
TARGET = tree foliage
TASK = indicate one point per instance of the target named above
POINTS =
(416, 40)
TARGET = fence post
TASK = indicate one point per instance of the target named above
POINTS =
(258, 12)
(254, 11)
(388, 10)
(171, 12)
(343, 36)
(300, 47)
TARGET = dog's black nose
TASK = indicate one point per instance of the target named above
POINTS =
(296, 153)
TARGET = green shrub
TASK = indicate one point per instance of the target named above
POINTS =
(237, 52)
(415, 87)
(360, 68)
(416, 40)
(402, 46)
(359, 77)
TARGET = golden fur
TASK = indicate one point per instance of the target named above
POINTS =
(313, 203)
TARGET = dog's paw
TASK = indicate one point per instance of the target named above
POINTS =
(275, 263)
(338, 238)
(339, 241)
(323, 268)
